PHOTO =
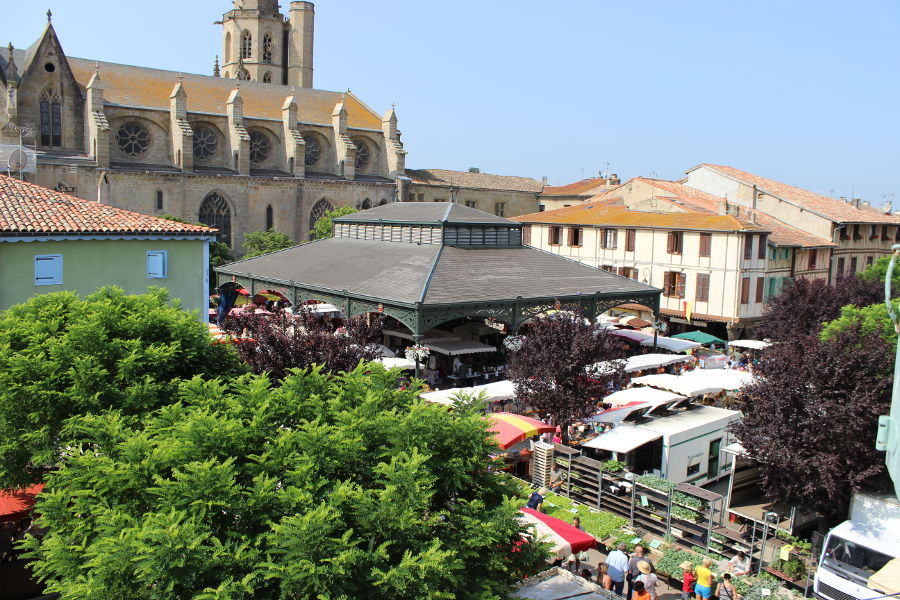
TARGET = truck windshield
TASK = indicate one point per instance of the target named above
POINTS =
(854, 558)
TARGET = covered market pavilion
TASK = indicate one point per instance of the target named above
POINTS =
(426, 264)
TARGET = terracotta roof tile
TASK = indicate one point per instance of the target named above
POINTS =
(587, 213)
(831, 208)
(593, 185)
(26, 208)
(483, 181)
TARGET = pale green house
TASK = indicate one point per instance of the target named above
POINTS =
(50, 241)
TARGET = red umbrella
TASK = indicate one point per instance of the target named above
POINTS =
(565, 538)
(512, 429)
(17, 504)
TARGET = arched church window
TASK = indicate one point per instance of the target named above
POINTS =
(133, 138)
(267, 78)
(318, 211)
(267, 48)
(259, 146)
(51, 119)
(362, 154)
(228, 47)
(205, 142)
(313, 150)
(270, 218)
(246, 45)
(214, 212)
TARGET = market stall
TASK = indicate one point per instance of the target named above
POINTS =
(645, 394)
(565, 538)
(390, 362)
(752, 344)
(698, 382)
(642, 362)
(701, 337)
(497, 391)
(511, 429)
(671, 344)
(17, 504)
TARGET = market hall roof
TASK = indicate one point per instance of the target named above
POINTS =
(439, 257)
(27, 209)
(143, 87)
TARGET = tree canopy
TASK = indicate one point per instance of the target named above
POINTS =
(551, 370)
(805, 305)
(811, 419)
(62, 356)
(877, 272)
(263, 242)
(324, 227)
(328, 487)
(282, 342)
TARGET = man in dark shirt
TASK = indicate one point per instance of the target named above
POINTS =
(536, 499)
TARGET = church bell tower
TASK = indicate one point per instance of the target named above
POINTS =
(261, 44)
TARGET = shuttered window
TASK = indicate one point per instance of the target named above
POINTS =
(555, 236)
(745, 290)
(705, 244)
(526, 235)
(761, 251)
(629, 240)
(48, 269)
(702, 294)
(575, 236)
(812, 260)
(760, 287)
(680, 281)
(674, 242)
(853, 266)
(674, 284)
(608, 239)
(748, 247)
(156, 264)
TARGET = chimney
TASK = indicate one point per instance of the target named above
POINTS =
(613, 179)
(865, 203)
(855, 202)
(723, 208)
(843, 198)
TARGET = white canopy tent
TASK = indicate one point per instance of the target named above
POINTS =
(634, 336)
(390, 362)
(642, 362)
(641, 394)
(671, 344)
(754, 344)
(622, 439)
(494, 392)
(698, 382)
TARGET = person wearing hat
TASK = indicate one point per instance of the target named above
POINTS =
(633, 571)
(647, 577)
(687, 584)
(537, 499)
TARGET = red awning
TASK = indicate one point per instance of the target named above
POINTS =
(512, 429)
(17, 504)
(565, 538)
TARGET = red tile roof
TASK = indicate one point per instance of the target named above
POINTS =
(593, 185)
(830, 208)
(467, 179)
(26, 208)
(588, 213)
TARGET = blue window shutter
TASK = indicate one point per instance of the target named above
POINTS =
(48, 269)
(156, 264)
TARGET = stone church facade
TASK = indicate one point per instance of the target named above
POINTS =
(252, 148)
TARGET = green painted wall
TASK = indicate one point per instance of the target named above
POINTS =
(91, 264)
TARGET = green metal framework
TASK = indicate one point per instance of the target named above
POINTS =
(420, 317)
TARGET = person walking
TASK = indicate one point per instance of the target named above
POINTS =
(647, 577)
(575, 559)
(687, 583)
(633, 571)
(617, 565)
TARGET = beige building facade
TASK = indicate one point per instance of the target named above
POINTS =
(710, 267)
(501, 195)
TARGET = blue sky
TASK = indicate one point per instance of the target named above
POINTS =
(803, 92)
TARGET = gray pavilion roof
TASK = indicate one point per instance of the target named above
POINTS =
(427, 212)
(407, 273)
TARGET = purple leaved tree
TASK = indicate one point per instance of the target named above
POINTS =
(551, 369)
(276, 343)
(810, 420)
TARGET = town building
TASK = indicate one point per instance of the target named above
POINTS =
(563, 196)
(51, 241)
(501, 195)
(710, 266)
(856, 232)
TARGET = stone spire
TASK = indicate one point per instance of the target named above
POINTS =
(216, 67)
(12, 73)
(49, 15)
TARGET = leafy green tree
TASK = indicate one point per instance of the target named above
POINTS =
(877, 271)
(327, 487)
(62, 356)
(263, 242)
(324, 227)
(870, 320)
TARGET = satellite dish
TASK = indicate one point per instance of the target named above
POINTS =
(17, 160)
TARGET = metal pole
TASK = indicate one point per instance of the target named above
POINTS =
(888, 436)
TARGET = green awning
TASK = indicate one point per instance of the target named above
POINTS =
(700, 337)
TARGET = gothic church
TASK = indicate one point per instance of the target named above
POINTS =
(250, 148)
